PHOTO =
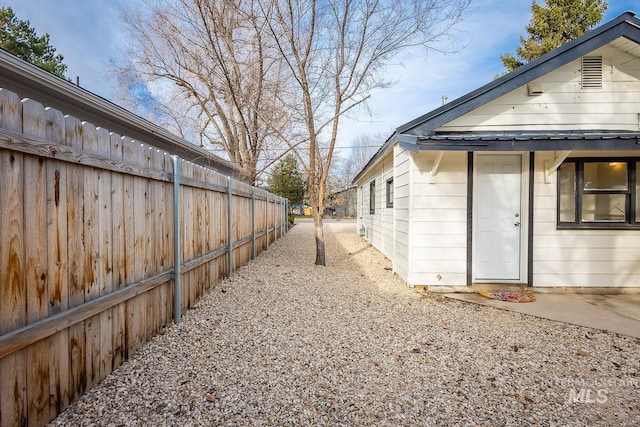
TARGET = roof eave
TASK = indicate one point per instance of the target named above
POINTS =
(537, 143)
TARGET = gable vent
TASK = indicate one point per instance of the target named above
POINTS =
(592, 72)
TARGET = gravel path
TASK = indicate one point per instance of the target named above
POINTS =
(285, 342)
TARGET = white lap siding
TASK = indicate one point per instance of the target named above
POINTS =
(579, 258)
(402, 192)
(386, 213)
(378, 226)
(439, 221)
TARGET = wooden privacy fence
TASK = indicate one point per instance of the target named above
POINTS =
(88, 223)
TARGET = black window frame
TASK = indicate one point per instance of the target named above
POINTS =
(372, 197)
(389, 191)
(632, 219)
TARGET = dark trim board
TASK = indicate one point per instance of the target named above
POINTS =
(532, 165)
(469, 218)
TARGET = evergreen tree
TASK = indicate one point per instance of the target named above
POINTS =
(286, 180)
(19, 38)
(552, 25)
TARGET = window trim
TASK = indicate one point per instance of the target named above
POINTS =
(390, 192)
(632, 219)
(372, 197)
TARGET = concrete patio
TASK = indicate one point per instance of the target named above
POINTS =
(614, 313)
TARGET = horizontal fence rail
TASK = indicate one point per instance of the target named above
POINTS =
(103, 241)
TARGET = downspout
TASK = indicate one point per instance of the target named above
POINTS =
(177, 286)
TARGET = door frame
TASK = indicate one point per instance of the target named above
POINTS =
(524, 217)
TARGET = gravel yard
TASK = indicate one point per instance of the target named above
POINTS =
(285, 342)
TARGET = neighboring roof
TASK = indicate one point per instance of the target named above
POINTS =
(353, 187)
(27, 80)
(420, 133)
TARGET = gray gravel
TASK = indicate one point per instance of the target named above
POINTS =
(285, 342)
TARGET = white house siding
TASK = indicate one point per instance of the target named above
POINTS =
(402, 164)
(439, 225)
(379, 225)
(579, 258)
(564, 104)
(386, 214)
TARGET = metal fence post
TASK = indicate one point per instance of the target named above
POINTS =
(286, 211)
(177, 286)
(280, 217)
(253, 223)
(230, 225)
(266, 212)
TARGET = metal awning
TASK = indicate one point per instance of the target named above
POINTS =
(522, 142)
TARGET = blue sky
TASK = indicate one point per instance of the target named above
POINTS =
(88, 34)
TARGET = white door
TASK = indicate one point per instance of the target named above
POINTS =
(498, 217)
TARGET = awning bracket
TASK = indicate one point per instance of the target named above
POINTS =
(435, 166)
(551, 168)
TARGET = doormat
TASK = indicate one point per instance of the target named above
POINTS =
(509, 296)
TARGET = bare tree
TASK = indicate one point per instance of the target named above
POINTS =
(212, 73)
(336, 52)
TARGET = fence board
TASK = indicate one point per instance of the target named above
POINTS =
(118, 245)
(57, 264)
(35, 232)
(149, 245)
(129, 245)
(168, 236)
(13, 405)
(76, 254)
(158, 297)
(210, 221)
(188, 237)
(105, 255)
(91, 255)
(136, 315)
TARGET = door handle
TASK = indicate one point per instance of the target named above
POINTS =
(517, 224)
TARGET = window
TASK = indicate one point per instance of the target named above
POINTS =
(598, 193)
(390, 193)
(372, 197)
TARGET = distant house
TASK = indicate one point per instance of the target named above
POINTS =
(532, 179)
(343, 204)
